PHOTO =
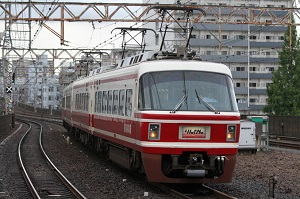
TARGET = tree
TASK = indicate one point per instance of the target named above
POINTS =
(284, 93)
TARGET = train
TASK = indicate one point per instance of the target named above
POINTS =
(171, 118)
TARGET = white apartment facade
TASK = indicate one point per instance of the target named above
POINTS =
(250, 51)
(39, 87)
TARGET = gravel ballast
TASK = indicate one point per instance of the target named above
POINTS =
(99, 178)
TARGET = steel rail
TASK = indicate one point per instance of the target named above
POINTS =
(30, 185)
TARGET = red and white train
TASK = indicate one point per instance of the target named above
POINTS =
(175, 120)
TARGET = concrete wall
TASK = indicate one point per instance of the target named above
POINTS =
(6, 123)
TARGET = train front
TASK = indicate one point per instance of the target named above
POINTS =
(188, 122)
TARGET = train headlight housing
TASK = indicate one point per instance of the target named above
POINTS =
(154, 132)
(231, 132)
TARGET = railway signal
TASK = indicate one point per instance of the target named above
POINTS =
(9, 89)
(13, 78)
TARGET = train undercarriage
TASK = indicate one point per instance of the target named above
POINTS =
(188, 165)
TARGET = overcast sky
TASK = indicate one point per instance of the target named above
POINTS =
(84, 34)
(78, 34)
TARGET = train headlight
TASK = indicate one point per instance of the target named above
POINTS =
(154, 132)
(231, 132)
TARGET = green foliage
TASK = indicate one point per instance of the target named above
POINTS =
(284, 92)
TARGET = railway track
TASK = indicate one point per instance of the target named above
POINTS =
(193, 191)
(29, 114)
(188, 192)
(42, 177)
(284, 141)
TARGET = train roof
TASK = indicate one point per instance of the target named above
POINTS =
(161, 59)
(191, 65)
(154, 61)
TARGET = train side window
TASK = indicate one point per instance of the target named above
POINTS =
(128, 105)
(87, 101)
(104, 101)
(121, 102)
(110, 101)
(63, 102)
(136, 59)
(78, 105)
(80, 101)
(144, 93)
(115, 102)
(83, 101)
(68, 102)
(99, 101)
(131, 60)
(141, 57)
(96, 101)
(76, 101)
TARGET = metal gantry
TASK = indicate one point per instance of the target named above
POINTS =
(122, 12)
(101, 12)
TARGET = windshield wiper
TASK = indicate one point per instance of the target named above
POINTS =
(184, 97)
(206, 104)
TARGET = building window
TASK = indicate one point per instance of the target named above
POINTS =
(240, 52)
(209, 53)
(241, 100)
(241, 37)
(240, 69)
(224, 53)
(268, 37)
(252, 84)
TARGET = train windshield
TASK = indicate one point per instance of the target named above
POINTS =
(186, 91)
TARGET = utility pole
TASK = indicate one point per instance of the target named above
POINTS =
(10, 55)
(7, 67)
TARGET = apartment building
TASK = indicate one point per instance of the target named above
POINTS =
(35, 83)
(250, 51)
